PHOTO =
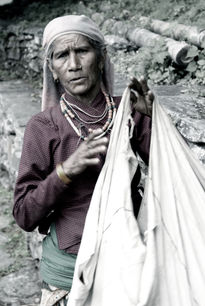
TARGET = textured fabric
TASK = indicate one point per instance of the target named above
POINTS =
(52, 296)
(66, 25)
(111, 255)
(155, 263)
(173, 273)
(57, 266)
(48, 140)
(71, 24)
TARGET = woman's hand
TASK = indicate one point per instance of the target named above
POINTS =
(141, 96)
(86, 154)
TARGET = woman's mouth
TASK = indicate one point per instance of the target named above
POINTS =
(77, 80)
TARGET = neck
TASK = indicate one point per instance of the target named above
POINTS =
(88, 97)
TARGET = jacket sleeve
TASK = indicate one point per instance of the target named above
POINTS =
(38, 186)
(142, 135)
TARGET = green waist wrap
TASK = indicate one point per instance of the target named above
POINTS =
(57, 266)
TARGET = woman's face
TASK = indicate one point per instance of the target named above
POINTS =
(76, 66)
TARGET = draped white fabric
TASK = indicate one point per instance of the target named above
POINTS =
(160, 263)
(175, 203)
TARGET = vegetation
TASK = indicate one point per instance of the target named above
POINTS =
(154, 63)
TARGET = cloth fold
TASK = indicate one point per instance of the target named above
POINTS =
(175, 204)
(157, 260)
(111, 254)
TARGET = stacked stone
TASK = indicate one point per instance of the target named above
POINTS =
(20, 51)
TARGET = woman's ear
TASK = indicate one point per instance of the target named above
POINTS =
(102, 60)
(55, 77)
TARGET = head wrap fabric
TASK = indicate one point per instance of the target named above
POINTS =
(70, 24)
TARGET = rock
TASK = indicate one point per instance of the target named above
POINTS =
(116, 42)
(21, 49)
(107, 26)
(35, 244)
(5, 260)
(186, 110)
(16, 108)
(120, 28)
(98, 18)
(106, 7)
(4, 222)
(22, 287)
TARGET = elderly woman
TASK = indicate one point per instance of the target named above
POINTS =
(65, 145)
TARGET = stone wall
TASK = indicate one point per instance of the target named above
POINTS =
(16, 107)
(21, 52)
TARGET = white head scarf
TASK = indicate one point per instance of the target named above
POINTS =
(70, 24)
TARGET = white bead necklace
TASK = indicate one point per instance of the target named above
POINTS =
(69, 115)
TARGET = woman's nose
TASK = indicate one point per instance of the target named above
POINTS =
(74, 62)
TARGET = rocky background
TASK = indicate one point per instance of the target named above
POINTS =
(179, 87)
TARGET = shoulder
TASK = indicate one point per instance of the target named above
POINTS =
(45, 119)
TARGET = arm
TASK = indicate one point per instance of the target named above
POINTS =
(140, 141)
(38, 185)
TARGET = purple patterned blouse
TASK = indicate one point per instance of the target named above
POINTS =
(40, 196)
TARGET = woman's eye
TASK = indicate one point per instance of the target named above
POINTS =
(62, 55)
(82, 51)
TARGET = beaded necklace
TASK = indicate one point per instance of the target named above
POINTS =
(82, 111)
(72, 107)
(71, 114)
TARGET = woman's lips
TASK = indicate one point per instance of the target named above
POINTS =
(77, 80)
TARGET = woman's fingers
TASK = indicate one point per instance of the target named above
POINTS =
(135, 85)
(141, 96)
(140, 85)
(96, 150)
(95, 146)
(144, 85)
(91, 161)
(92, 143)
(86, 155)
(150, 96)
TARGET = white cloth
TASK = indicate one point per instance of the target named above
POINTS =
(111, 252)
(175, 202)
(120, 262)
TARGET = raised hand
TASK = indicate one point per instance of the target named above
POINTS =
(86, 154)
(141, 96)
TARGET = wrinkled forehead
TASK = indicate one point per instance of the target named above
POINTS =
(70, 41)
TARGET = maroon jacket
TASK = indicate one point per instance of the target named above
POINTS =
(48, 140)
